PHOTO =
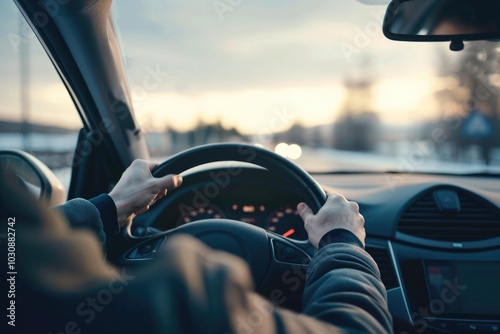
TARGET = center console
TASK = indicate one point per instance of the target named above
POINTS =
(450, 292)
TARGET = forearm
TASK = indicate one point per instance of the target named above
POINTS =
(80, 213)
(97, 214)
(343, 288)
(107, 212)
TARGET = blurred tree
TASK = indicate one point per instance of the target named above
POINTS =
(202, 133)
(297, 134)
(471, 85)
(356, 128)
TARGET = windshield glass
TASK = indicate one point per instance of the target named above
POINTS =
(315, 81)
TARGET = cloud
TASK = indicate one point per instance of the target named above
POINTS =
(259, 44)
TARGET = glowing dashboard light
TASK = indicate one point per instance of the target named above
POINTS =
(248, 208)
(294, 151)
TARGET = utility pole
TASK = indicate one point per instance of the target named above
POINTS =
(24, 72)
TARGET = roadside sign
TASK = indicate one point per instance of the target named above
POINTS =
(477, 126)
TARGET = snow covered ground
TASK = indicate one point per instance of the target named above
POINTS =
(411, 157)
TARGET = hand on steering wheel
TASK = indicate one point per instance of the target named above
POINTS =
(137, 190)
(270, 256)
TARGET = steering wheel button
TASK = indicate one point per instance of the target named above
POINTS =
(289, 253)
(147, 248)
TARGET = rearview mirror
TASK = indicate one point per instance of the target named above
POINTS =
(38, 178)
(443, 20)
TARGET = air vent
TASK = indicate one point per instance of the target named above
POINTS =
(383, 259)
(476, 219)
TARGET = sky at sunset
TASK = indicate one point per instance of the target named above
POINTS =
(246, 66)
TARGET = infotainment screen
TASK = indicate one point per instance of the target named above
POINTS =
(463, 288)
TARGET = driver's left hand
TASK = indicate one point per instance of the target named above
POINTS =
(138, 189)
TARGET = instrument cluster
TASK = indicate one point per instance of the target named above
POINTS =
(282, 219)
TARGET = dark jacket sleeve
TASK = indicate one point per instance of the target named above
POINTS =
(97, 214)
(343, 288)
(107, 211)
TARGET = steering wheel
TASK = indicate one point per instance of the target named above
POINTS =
(273, 259)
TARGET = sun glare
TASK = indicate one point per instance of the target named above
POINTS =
(249, 111)
(404, 101)
(397, 101)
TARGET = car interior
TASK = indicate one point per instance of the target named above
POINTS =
(432, 222)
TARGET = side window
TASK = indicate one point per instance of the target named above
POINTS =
(37, 114)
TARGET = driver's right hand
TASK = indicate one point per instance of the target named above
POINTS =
(336, 213)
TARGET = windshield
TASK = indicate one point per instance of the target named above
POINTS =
(315, 81)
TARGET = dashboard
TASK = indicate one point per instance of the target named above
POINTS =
(254, 197)
(435, 238)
